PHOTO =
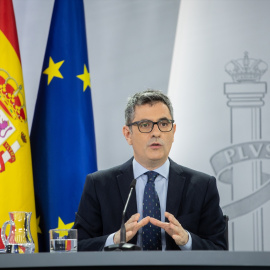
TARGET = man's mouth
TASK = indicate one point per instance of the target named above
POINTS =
(155, 145)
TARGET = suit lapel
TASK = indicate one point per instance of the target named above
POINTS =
(175, 194)
(124, 179)
(176, 185)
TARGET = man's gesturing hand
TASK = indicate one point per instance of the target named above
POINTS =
(173, 228)
(132, 226)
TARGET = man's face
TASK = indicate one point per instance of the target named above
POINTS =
(152, 149)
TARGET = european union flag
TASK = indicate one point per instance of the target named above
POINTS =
(62, 135)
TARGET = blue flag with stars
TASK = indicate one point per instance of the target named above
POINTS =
(62, 135)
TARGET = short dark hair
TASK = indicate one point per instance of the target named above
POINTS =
(146, 97)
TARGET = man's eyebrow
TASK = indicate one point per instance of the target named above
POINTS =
(162, 118)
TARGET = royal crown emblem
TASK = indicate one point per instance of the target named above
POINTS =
(12, 110)
(11, 97)
(246, 69)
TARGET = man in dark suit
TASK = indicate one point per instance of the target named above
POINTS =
(182, 211)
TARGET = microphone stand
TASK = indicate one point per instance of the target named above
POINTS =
(123, 245)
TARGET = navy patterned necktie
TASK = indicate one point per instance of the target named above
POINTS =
(151, 235)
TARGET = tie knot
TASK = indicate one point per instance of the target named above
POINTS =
(151, 176)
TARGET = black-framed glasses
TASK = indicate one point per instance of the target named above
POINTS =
(146, 126)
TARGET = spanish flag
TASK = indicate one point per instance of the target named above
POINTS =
(16, 179)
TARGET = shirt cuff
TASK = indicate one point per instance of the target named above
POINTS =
(109, 240)
(188, 245)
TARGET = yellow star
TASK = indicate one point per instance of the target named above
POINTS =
(53, 70)
(38, 228)
(62, 225)
(85, 77)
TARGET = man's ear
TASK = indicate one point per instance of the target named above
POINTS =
(127, 133)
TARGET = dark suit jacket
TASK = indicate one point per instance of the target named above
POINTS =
(192, 198)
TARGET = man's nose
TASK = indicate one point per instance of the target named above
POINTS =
(155, 129)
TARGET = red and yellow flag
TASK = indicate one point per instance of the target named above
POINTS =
(16, 179)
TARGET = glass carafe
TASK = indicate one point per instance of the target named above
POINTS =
(19, 239)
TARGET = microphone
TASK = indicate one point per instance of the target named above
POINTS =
(123, 246)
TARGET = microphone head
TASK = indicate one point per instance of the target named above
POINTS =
(133, 183)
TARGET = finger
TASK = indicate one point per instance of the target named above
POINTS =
(129, 235)
(168, 227)
(175, 226)
(172, 219)
(135, 226)
(142, 222)
(133, 218)
(178, 233)
(158, 223)
(180, 240)
(175, 229)
(176, 238)
(130, 226)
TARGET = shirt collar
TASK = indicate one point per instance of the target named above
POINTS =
(139, 170)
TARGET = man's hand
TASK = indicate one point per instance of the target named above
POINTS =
(173, 228)
(132, 226)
